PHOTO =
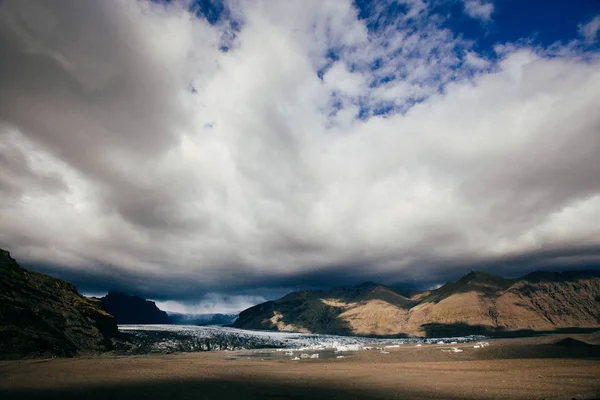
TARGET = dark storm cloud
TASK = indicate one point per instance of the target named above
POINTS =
(425, 275)
(275, 173)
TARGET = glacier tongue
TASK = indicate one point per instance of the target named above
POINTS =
(171, 338)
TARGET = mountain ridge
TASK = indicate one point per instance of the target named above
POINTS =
(478, 302)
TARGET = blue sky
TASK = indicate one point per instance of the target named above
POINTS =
(199, 151)
(536, 23)
(542, 22)
(548, 21)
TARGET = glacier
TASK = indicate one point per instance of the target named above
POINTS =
(190, 338)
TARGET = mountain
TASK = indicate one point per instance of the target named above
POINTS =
(129, 309)
(44, 316)
(476, 303)
(201, 319)
(369, 308)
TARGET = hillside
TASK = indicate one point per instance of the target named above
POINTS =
(44, 316)
(364, 309)
(476, 303)
(129, 309)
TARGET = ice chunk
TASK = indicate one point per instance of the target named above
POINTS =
(351, 347)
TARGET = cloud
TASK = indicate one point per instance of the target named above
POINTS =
(590, 30)
(323, 147)
(212, 303)
(479, 9)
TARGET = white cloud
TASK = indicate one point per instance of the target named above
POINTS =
(476, 61)
(479, 9)
(590, 30)
(112, 164)
(339, 79)
(212, 303)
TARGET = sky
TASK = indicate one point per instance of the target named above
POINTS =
(213, 154)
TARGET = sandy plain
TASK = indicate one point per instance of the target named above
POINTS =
(524, 368)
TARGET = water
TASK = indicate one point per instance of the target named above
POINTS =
(188, 338)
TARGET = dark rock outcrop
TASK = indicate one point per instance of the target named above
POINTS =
(129, 309)
(41, 316)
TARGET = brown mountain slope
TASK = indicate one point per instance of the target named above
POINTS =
(545, 300)
(476, 303)
(469, 301)
(45, 316)
(364, 309)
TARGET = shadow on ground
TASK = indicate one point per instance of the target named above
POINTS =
(210, 389)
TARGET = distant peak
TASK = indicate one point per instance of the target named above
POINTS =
(473, 275)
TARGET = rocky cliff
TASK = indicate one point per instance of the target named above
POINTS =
(41, 316)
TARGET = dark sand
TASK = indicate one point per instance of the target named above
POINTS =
(532, 368)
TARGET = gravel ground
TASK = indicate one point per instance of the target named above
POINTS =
(528, 368)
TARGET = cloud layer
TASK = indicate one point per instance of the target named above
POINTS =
(143, 148)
